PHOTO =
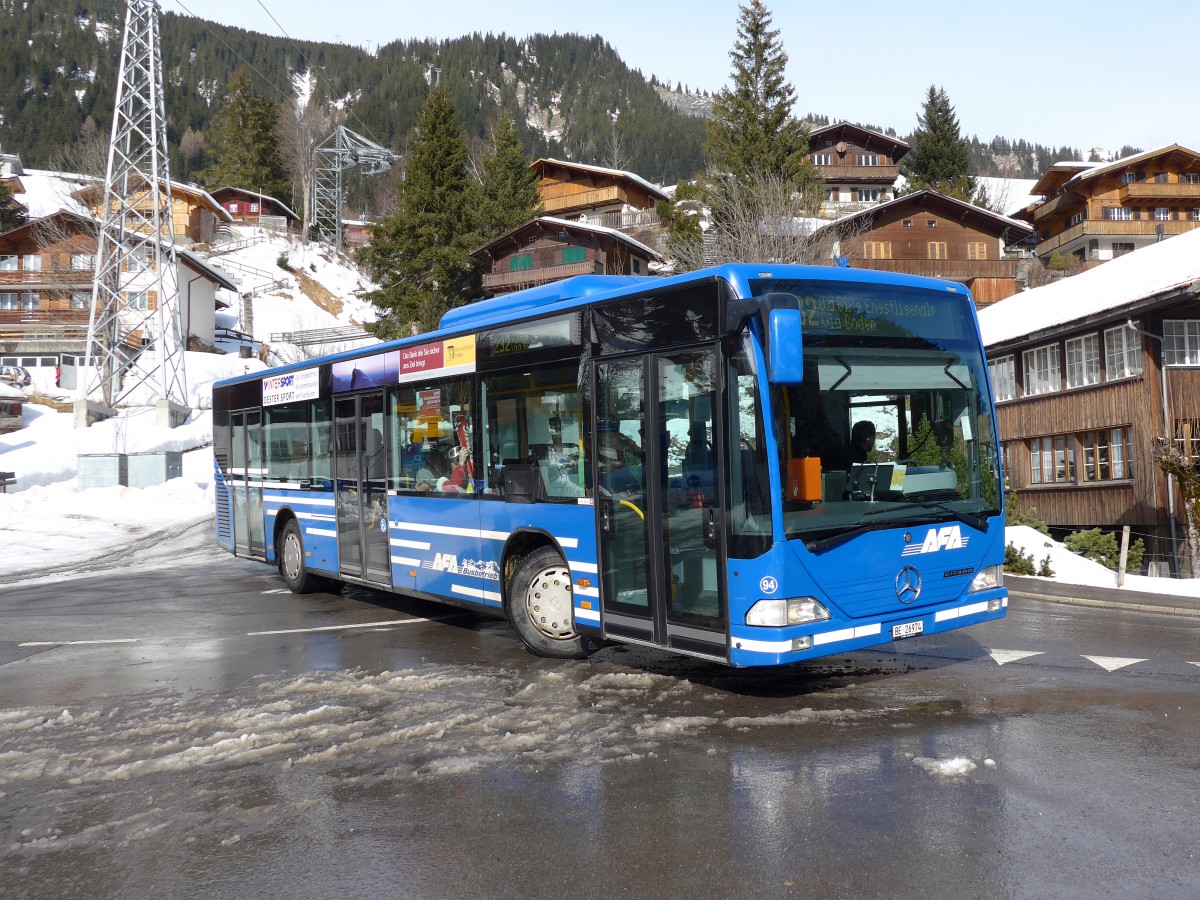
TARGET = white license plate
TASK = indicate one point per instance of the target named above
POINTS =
(908, 629)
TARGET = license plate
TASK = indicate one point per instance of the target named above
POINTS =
(908, 629)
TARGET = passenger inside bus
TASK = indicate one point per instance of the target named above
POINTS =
(435, 473)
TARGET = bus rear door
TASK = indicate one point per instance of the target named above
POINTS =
(360, 458)
(662, 554)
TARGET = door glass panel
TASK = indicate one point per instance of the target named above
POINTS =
(254, 480)
(621, 477)
(692, 525)
(346, 462)
(374, 486)
(237, 477)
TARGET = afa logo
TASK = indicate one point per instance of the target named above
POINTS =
(948, 538)
(445, 562)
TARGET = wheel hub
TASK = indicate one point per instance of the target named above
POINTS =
(548, 600)
(291, 557)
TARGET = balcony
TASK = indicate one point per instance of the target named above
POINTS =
(528, 277)
(1113, 228)
(1152, 190)
(625, 219)
(1057, 205)
(48, 279)
(952, 269)
(866, 174)
(583, 200)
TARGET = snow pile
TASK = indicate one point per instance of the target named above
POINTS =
(958, 767)
(1069, 568)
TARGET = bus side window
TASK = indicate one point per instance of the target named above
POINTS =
(320, 438)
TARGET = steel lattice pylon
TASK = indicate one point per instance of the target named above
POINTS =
(341, 151)
(135, 308)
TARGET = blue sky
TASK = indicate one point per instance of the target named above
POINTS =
(1062, 75)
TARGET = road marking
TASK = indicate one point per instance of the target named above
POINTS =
(277, 591)
(1112, 663)
(1194, 663)
(76, 643)
(1006, 656)
(342, 627)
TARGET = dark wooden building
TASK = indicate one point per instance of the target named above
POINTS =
(927, 233)
(1088, 372)
(550, 249)
(612, 198)
(860, 166)
(252, 208)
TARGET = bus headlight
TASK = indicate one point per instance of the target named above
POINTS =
(988, 577)
(777, 613)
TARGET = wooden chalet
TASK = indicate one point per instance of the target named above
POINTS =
(551, 249)
(611, 198)
(927, 233)
(196, 215)
(46, 272)
(247, 207)
(1099, 211)
(1088, 372)
(356, 233)
(860, 166)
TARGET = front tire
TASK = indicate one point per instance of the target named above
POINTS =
(291, 561)
(539, 607)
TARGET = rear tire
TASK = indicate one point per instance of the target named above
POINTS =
(539, 607)
(291, 561)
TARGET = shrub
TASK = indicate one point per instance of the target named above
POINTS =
(1103, 547)
(1044, 569)
(1017, 562)
(283, 263)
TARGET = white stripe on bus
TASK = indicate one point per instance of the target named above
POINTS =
(567, 542)
(586, 592)
(474, 592)
(323, 532)
(584, 567)
(969, 610)
(411, 545)
(406, 561)
(846, 634)
(296, 498)
(592, 615)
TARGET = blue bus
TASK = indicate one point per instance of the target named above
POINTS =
(749, 464)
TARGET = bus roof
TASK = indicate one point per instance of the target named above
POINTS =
(582, 290)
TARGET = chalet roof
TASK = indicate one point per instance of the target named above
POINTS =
(1074, 172)
(261, 198)
(1160, 269)
(928, 199)
(557, 224)
(193, 192)
(539, 166)
(44, 192)
(841, 130)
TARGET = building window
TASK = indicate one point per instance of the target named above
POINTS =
(1194, 214)
(1004, 377)
(1117, 213)
(637, 267)
(30, 301)
(1083, 361)
(1051, 460)
(574, 255)
(1106, 455)
(977, 250)
(937, 250)
(1042, 374)
(822, 159)
(83, 262)
(907, 223)
(1122, 353)
(1120, 249)
(233, 207)
(253, 207)
(877, 250)
(8, 263)
(931, 223)
(1077, 218)
(520, 262)
(1161, 178)
(868, 159)
(1189, 178)
(1181, 342)
(79, 299)
(868, 195)
(9, 302)
(135, 300)
(1162, 214)
(1128, 178)
(31, 262)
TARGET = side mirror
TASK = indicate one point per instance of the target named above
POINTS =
(785, 347)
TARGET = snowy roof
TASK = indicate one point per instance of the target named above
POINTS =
(1162, 268)
(1012, 195)
(1097, 169)
(198, 265)
(260, 197)
(574, 226)
(920, 198)
(652, 189)
(203, 197)
(45, 192)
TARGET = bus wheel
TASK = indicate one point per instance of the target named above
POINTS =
(291, 561)
(539, 607)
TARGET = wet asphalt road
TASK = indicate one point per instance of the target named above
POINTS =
(430, 756)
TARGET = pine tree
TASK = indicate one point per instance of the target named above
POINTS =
(752, 130)
(10, 213)
(507, 195)
(940, 159)
(243, 144)
(420, 253)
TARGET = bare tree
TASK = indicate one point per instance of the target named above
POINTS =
(760, 218)
(1175, 457)
(300, 131)
(87, 156)
(618, 152)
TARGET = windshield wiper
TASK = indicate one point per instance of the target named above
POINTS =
(975, 520)
(842, 537)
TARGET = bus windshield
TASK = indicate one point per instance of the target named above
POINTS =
(895, 406)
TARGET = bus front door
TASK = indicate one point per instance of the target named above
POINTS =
(662, 553)
(246, 471)
(360, 458)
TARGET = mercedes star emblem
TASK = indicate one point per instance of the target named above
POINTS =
(908, 584)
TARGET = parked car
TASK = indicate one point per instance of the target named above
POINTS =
(17, 375)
